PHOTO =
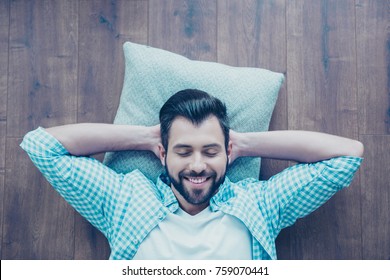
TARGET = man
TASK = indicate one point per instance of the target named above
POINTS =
(192, 211)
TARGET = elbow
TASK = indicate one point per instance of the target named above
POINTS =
(357, 149)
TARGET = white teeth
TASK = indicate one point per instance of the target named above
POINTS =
(197, 180)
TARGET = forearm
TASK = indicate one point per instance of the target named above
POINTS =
(301, 146)
(91, 138)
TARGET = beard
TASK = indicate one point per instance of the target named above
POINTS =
(196, 196)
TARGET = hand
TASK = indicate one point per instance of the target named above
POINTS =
(155, 130)
(235, 138)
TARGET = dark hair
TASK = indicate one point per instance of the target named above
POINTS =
(196, 106)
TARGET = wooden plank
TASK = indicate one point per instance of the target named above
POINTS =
(373, 71)
(42, 92)
(3, 130)
(2, 173)
(375, 178)
(90, 244)
(42, 65)
(184, 27)
(246, 34)
(38, 223)
(247, 37)
(104, 27)
(322, 97)
(1, 212)
(4, 35)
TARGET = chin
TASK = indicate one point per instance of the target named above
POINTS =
(198, 194)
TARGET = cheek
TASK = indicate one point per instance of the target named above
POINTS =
(174, 164)
(218, 164)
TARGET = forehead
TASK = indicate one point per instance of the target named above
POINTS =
(184, 131)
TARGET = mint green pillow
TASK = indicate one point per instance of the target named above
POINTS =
(152, 75)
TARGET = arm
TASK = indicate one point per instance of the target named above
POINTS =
(89, 186)
(331, 162)
(301, 146)
(302, 188)
(91, 138)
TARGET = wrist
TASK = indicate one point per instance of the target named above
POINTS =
(244, 144)
(152, 138)
(249, 144)
(239, 142)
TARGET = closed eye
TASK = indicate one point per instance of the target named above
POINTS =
(211, 152)
(183, 154)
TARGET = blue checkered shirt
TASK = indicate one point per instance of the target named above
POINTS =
(126, 207)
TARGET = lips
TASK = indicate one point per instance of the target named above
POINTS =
(197, 180)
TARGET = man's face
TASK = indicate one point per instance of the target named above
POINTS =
(196, 161)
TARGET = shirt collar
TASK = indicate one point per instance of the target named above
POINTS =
(224, 194)
(167, 197)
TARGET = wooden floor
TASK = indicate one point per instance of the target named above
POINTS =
(62, 62)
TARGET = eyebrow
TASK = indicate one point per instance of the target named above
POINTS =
(181, 146)
(214, 145)
(208, 146)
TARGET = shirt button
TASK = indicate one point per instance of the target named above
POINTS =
(161, 215)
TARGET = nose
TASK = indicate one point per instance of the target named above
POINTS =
(197, 164)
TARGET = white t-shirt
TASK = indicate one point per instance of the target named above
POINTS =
(207, 235)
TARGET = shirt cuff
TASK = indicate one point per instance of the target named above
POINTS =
(41, 143)
(341, 170)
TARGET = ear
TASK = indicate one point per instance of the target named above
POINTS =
(229, 152)
(163, 153)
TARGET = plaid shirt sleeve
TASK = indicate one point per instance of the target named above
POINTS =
(89, 186)
(301, 189)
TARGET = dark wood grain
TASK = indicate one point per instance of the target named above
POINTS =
(373, 70)
(38, 224)
(249, 39)
(4, 37)
(3, 138)
(184, 27)
(322, 97)
(1, 211)
(2, 176)
(104, 27)
(42, 83)
(375, 179)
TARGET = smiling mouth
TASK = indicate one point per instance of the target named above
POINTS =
(197, 180)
